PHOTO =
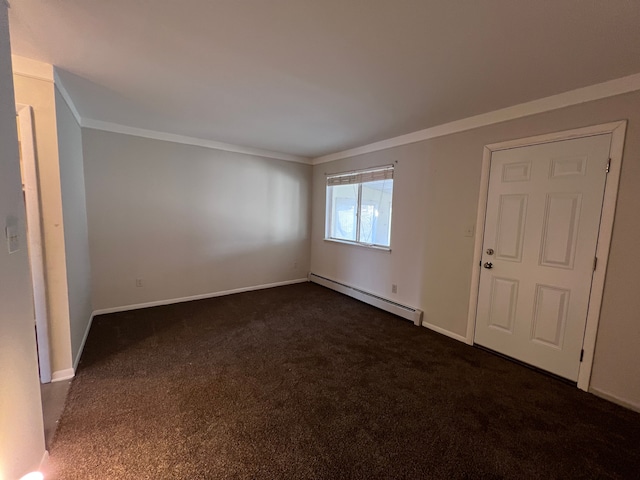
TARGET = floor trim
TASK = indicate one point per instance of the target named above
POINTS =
(61, 375)
(76, 362)
(45, 461)
(446, 333)
(615, 399)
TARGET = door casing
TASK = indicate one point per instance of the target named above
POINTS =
(617, 131)
(35, 239)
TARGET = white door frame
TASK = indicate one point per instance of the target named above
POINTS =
(617, 131)
(35, 238)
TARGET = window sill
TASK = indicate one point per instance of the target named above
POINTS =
(356, 244)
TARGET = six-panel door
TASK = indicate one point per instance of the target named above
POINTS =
(541, 229)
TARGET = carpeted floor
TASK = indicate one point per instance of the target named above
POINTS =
(300, 382)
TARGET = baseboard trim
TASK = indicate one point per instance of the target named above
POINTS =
(615, 399)
(76, 362)
(442, 331)
(159, 303)
(61, 375)
(407, 312)
(44, 462)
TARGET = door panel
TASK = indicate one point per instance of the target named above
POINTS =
(540, 234)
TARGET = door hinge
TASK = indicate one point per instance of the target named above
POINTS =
(595, 263)
(581, 354)
(608, 166)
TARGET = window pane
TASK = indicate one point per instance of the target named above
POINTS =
(375, 212)
(343, 201)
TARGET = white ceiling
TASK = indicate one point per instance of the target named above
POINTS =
(312, 77)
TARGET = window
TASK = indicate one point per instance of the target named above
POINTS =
(359, 206)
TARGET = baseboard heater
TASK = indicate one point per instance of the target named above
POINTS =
(404, 311)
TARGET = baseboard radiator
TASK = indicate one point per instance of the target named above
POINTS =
(404, 311)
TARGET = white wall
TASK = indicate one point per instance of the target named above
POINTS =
(76, 236)
(40, 95)
(436, 187)
(189, 220)
(21, 430)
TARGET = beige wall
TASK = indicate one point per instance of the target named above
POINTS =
(189, 220)
(436, 192)
(21, 430)
(40, 95)
(76, 236)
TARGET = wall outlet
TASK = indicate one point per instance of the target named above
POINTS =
(138, 282)
(394, 288)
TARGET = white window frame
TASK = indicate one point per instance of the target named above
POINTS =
(356, 177)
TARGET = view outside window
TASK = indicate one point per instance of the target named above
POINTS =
(359, 207)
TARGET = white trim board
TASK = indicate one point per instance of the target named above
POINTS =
(44, 462)
(76, 361)
(198, 142)
(28, 67)
(158, 303)
(617, 131)
(404, 311)
(598, 91)
(60, 375)
(615, 399)
(65, 94)
(446, 333)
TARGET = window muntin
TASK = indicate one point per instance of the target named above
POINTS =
(359, 206)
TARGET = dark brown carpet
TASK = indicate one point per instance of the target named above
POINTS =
(300, 382)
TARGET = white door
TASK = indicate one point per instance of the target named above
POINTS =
(540, 233)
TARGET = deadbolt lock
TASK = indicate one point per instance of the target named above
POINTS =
(490, 251)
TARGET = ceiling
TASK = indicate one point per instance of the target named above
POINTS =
(313, 77)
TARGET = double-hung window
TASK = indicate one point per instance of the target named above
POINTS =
(359, 207)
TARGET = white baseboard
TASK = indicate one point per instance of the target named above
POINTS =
(405, 311)
(44, 462)
(435, 328)
(615, 399)
(61, 375)
(158, 303)
(84, 340)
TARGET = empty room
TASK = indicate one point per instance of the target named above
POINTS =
(298, 239)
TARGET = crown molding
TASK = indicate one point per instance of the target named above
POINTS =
(28, 67)
(65, 94)
(199, 142)
(598, 91)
